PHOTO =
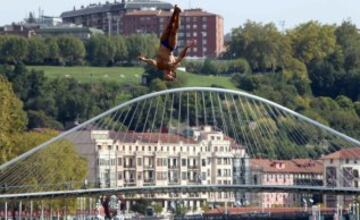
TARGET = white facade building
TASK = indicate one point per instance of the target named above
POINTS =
(202, 156)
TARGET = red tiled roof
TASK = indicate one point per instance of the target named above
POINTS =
(288, 166)
(346, 153)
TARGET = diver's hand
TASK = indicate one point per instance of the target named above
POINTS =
(191, 44)
(141, 57)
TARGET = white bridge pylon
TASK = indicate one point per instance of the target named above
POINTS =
(262, 127)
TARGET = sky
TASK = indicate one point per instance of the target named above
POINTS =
(235, 12)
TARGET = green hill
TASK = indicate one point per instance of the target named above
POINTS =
(122, 75)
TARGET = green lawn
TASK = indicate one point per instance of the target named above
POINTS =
(86, 74)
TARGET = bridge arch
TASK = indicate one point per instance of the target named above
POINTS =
(253, 107)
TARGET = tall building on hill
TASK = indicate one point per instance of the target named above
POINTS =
(108, 16)
(202, 156)
(207, 29)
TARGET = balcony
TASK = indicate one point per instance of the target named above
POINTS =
(194, 167)
(174, 167)
(130, 166)
(149, 182)
(174, 182)
(129, 182)
(148, 167)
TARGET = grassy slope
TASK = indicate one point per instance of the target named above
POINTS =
(124, 75)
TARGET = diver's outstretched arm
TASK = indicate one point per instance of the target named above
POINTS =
(148, 61)
(184, 52)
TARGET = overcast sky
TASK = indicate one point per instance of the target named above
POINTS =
(235, 12)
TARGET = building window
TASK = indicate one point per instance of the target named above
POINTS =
(120, 175)
(203, 175)
(347, 161)
(99, 147)
(183, 162)
(183, 175)
(204, 26)
(356, 173)
(119, 161)
(139, 162)
(139, 176)
(203, 162)
(109, 147)
(204, 19)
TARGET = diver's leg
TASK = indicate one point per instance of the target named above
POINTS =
(169, 28)
(174, 30)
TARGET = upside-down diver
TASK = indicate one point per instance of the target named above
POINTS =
(165, 59)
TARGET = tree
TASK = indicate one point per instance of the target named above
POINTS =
(60, 159)
(348, 38)
(100, 50)
(121, 51)
(157, 85)
(12, 118)
(326, 80)
(72, 50)
(158, 208)
(14, 49)
(38, 51)
(263, 46)
(141, 44)
(38, 119)
(209, 67)
(53, 54)
(312, 41)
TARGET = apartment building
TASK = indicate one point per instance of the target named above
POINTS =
(284, 172)
(207, 29)
(341, 169)
(108, 16)
(202, 156)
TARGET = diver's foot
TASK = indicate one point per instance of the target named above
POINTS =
(177, 9)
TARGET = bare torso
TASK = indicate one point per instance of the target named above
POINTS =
(165, 59)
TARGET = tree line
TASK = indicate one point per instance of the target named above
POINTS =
(99, 50)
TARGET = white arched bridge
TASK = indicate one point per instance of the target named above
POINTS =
(186, 140)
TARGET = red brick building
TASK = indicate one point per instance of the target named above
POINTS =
(205, 28)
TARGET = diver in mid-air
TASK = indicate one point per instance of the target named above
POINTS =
(165, 59)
